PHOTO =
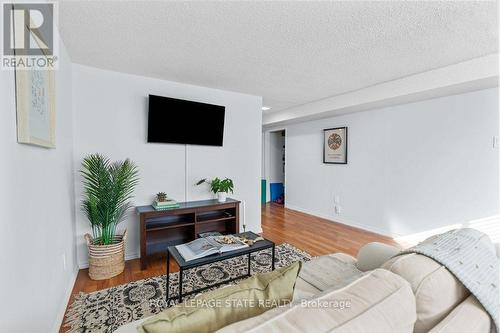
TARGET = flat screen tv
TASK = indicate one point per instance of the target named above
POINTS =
(172, 120)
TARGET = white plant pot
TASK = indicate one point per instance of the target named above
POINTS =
(221, 196)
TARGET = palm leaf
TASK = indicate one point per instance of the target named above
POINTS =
(108, 187)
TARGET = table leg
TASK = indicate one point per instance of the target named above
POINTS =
(249, 261)
(180, 285)
(168, 276)
(274, 252)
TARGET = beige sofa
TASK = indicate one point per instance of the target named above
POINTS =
(373, 293)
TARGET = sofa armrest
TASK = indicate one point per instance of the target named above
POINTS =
(469, 316)
(373, 255)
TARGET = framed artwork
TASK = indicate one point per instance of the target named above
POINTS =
(35, 104)
(335, 145)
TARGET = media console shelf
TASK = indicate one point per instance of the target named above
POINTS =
(160, 229)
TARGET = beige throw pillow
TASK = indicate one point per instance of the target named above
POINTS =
(373, 255)
(215, 309)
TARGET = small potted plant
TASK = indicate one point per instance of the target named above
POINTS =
(107, 187)
(161, 197)
(219, 187)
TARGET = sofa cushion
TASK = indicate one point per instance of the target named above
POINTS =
(304, 290)
(331, 271)
(469, 316)
(379, 301)
(436, 290)
(215, 309)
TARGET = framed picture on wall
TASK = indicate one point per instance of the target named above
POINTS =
(35, 93)
(335, 145)
(35, 103)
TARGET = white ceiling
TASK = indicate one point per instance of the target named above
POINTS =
(291, 53)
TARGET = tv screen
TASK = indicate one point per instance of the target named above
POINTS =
(172, 120)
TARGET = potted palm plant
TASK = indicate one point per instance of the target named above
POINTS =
(219, 187)
(108, 187)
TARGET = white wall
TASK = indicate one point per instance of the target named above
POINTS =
(411, 167)
(36, 215)
(111, 118)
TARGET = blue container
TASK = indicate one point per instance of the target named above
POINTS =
(276, 190)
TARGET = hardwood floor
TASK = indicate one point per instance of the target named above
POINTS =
(312, 234)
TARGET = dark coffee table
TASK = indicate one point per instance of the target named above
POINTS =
(185, 265)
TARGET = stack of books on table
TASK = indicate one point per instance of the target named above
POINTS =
(163, 205)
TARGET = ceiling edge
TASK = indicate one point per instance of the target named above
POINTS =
(471, 75)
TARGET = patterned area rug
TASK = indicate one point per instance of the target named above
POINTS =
(108, 309)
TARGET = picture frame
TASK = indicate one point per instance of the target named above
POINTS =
(35, 107)
(35, 104)
(335, 145)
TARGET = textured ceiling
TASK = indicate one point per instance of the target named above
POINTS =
(290, 53)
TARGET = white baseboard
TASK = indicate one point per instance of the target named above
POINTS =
(340, 220)
(62, 307)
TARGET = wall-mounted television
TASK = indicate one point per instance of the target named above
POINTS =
(172, 120)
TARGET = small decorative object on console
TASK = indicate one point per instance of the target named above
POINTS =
(161, 196)
(162, 202)
(220, 187)
(158, 206)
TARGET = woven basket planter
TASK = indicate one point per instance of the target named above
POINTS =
(106, 261)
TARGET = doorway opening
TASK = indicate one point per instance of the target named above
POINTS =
(277, 160)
